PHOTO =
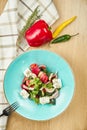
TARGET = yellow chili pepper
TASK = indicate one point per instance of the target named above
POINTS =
(62, 26)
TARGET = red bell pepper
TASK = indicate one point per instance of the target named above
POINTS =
(39, 33)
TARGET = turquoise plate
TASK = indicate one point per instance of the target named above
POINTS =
(14, 76)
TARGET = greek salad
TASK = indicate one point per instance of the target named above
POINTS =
(40, 85)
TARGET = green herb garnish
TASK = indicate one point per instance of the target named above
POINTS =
(34, 16)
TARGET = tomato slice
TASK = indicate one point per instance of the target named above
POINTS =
(44, 78)
(35, 68)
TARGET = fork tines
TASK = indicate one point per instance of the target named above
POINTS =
(12, 107)
(15, 105)
(8, 110)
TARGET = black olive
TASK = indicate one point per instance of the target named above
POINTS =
(53, 101)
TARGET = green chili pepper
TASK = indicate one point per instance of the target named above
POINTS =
(63, 38)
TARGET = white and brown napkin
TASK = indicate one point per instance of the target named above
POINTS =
(12, 20)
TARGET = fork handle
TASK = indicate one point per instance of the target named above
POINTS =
(2, 115)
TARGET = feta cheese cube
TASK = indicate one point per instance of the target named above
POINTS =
(55, 80)
(44, 100)
(24, 93)
(57, 83)
(27, 72)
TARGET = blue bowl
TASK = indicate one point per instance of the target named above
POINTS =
(14, 76)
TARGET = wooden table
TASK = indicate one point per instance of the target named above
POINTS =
(2, 5)
(75, 52)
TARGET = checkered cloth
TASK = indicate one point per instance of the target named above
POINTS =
(12, 20)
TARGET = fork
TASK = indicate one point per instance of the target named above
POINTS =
(8, 110)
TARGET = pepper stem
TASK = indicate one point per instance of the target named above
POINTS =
(75, 35)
